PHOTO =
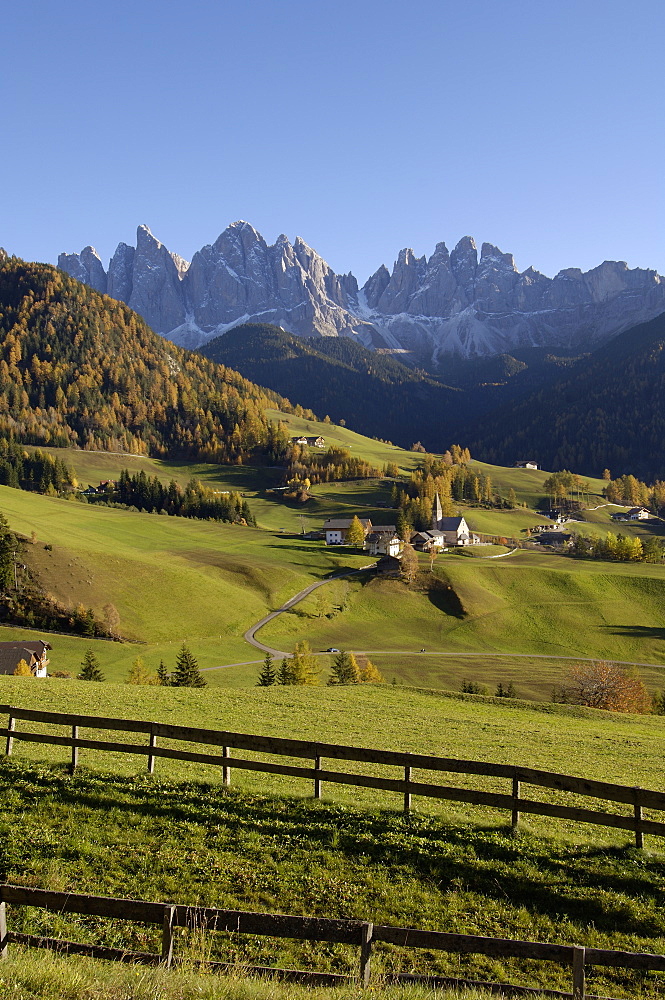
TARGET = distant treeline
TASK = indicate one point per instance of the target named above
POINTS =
(633, 492)
(336, 464)
(36, 471)
(195, 500)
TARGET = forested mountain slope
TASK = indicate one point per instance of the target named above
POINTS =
(80, 369)
(608, 413)
(374, 393)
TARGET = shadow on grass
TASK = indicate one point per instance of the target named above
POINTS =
(613, 889)
(638, 632)
(444, 597)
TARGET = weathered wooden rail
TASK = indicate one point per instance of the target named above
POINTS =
(637, 799)
(361, 934)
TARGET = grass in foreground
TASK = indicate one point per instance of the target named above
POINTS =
(33, 976)
(265, 845)
(199, 843)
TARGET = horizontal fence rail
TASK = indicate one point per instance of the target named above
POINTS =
(406, 786)
(362, 934)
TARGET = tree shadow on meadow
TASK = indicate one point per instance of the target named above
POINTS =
(638, 632)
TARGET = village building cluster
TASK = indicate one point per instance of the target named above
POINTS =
(383, 540)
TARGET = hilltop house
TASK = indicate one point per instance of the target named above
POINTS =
(634, 514)
(428, 541)
(313, 442)
(527, 464)
(335, 529)
(33, 651)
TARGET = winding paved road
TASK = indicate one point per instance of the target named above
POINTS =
(250, 634)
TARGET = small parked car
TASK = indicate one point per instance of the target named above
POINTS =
(333, 649)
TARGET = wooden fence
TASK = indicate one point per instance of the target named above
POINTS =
(637, 799)
(361, 934)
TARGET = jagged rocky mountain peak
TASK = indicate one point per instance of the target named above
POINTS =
(492, 256)
(440, 255)
(452, 303)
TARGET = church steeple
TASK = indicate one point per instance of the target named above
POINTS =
(437, 512)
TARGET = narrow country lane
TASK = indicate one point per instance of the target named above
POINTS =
(250, 634)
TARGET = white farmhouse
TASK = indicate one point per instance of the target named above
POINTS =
(335, 529)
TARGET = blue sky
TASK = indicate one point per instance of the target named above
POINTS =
(363, 127)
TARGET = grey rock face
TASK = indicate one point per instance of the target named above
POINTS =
(156, 291)
(86, 267)
(453, 303)
(121, 273)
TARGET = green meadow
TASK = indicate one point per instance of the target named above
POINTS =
(175, 580)
(171, 579)
(264, 844)
(526, 602)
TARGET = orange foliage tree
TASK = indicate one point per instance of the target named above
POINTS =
(603, 684)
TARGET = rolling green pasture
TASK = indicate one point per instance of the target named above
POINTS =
(343, 499)
(527, 602)
(171, 579)
(174, 579)
(371, 450)
(266, 845)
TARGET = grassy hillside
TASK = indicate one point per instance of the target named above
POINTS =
(171, 579)
(180, 835)
(527, 602)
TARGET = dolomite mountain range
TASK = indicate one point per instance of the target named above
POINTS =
(452, 303)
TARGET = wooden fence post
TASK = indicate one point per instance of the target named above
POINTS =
(516, 805)
(11, 725)
(579, 986)
(317, 780)
(637, 810)
(407, 791)
(151, 759)
(226, 771)
(75, 750)
(167, 936)
(3, 930)
(366, 942)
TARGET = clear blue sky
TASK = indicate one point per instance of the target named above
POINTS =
(363, 127)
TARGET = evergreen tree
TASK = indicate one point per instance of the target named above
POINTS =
(404, 526)
(285, 675)
(91, 670)
(163, 675)
(268, 675)
(187, 673)
(344, 669)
